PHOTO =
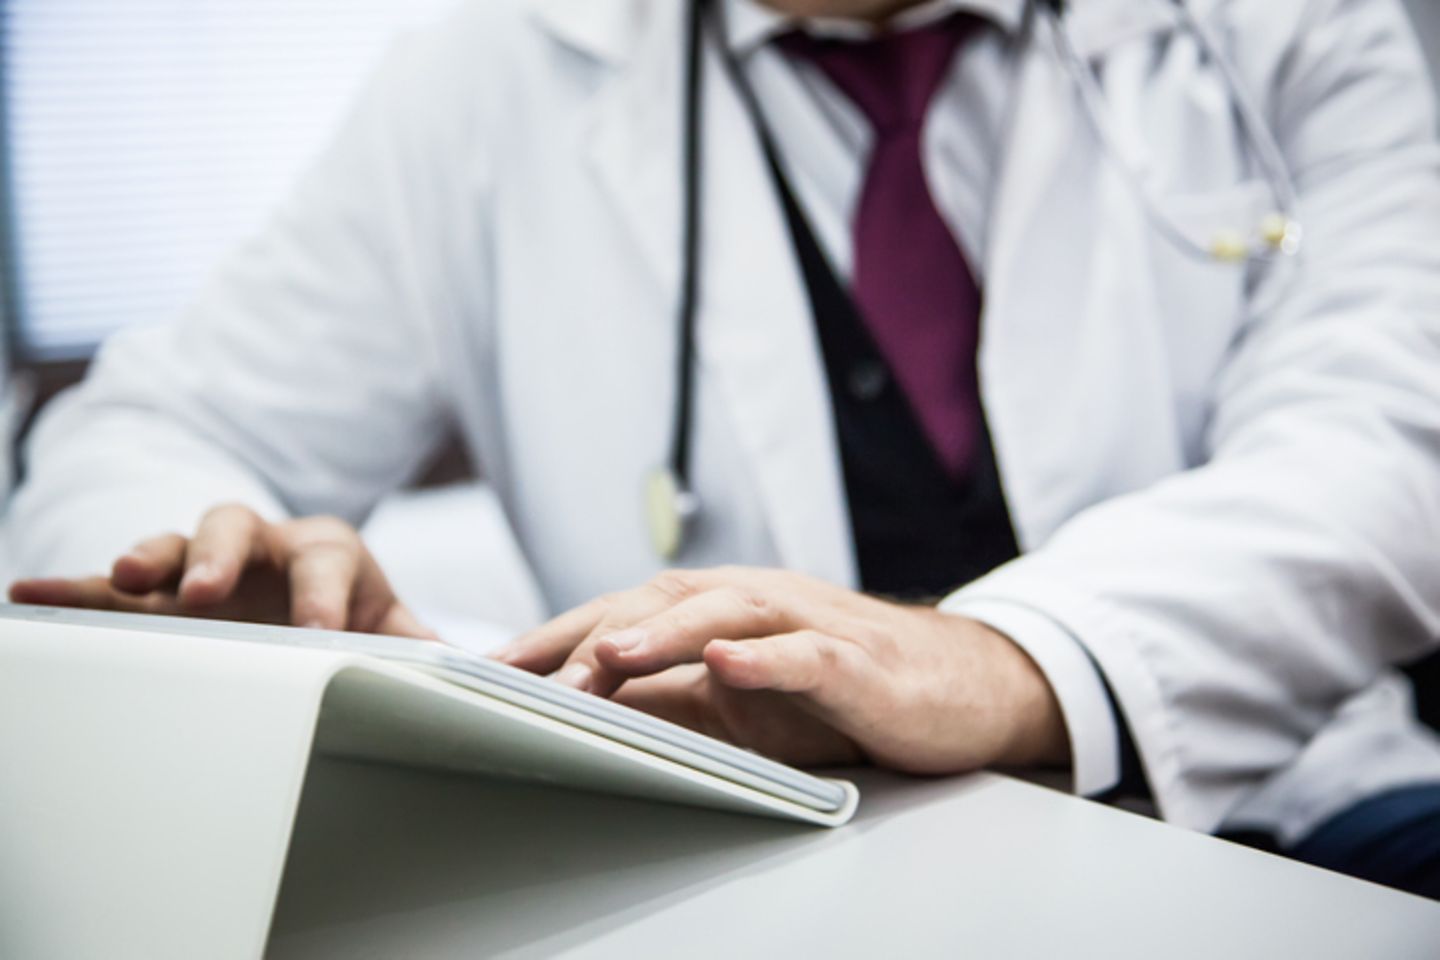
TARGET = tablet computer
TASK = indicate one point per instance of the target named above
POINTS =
(494, 679)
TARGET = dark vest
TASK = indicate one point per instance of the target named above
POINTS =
(918, 534)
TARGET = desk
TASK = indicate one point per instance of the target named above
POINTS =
(394, 863)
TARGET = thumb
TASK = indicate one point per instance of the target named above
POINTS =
(834, 681)
(818, 667)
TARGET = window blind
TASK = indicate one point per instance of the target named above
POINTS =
(147, 137)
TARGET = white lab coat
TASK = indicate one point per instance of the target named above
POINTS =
(1237, 515)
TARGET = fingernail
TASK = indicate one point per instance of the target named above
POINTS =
(733, 650)
(200, 573)
(626, 641)
(575, 675)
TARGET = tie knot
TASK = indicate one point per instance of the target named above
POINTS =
(891, 78)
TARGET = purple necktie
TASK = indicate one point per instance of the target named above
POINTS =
(911, 282)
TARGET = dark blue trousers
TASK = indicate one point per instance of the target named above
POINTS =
(1391, 839)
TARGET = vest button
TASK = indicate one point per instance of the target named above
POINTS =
(867, 380)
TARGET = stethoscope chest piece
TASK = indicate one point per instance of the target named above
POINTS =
(670, 509)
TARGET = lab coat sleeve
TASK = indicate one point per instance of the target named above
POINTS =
(1234, 607)
(304, 380)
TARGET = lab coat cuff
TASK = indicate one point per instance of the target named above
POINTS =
(1075, 679)
(1120, 645)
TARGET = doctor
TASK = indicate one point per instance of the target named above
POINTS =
(943, 331)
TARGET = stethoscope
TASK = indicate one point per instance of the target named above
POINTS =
(671, 504)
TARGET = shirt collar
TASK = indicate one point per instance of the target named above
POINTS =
(752, 24)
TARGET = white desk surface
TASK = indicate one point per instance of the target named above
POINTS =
(395, 863)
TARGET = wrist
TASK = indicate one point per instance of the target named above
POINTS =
(1030, 722)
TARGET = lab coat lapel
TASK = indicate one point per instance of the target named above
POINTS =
(1046, 117)
(1042, 132)
(1096, 26)
(633, 144)
(756, 336)
(1058, 227)
(604, 29)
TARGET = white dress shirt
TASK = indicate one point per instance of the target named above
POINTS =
(825, 141)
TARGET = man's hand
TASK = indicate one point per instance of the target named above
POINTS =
(807, 672)
(314, 572)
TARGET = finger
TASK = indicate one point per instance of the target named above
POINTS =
(150, 564)
(227, 541)
(375, 601)
(93, 593)
(582, 670)
(400, 621)
(322, 581)
(545, 648)
(805, 662)
(679, 634)
(55, 592)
